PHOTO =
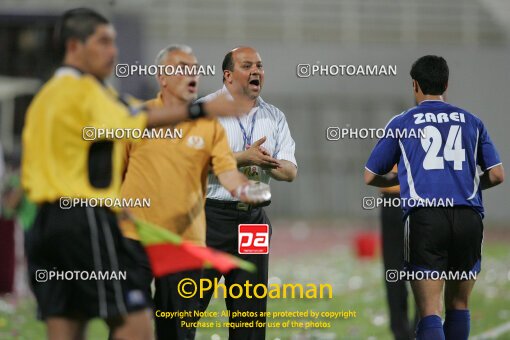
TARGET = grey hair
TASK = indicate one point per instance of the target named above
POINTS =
(174, 47)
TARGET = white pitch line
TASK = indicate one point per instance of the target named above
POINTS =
(493, 333)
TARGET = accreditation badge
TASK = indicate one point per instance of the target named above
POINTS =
(252, 172)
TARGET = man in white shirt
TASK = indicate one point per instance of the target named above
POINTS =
(264, 149)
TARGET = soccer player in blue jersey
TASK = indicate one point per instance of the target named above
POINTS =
(441, 173)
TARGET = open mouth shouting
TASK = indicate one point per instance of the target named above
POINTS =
(192, 86)
(254, 84)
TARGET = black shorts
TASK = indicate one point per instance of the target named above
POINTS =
(143, 262)
(80, 265)
(443, 239)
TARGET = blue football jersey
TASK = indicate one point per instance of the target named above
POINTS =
(441, 151)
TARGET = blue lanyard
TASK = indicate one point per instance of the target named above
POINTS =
(247, 138)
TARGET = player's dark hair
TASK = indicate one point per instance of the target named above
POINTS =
(77, 23)
(228, 63)
(431, 72)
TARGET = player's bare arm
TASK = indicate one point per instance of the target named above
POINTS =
(384, 181)
(492, 177)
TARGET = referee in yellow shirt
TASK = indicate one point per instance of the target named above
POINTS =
(68, 243)
(173, 173)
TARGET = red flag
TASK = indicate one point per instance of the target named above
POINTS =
(168, 253)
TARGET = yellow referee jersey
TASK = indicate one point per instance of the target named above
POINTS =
(58, 161)
(172, 173)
